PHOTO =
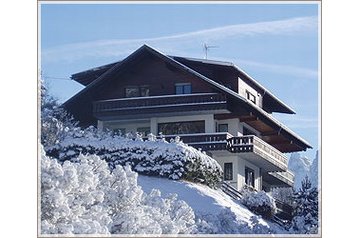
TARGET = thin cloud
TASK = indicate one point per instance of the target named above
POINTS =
(109, 48)
(282, 69)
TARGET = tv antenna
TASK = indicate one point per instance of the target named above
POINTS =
(207, 47)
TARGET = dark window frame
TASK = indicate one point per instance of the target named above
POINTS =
(121, 130)
(183, 88)
(250, 96)
(249, 173)
(228, 171)
(145, 130)
(179, 127)
(142, 91)
(220, 125)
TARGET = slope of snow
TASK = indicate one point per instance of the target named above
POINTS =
(212, 205)
(300, 166)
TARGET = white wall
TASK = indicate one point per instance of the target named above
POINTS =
(242, 163)
(239, 165)
(235, 128)
(242, 91)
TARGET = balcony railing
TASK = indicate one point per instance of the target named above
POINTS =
(205, 141)
(166, 103)
(254, 144)
(252, 147)
(287, 177)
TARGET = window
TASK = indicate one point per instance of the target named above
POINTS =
(187, 127)
(137, 91)
(251, 97)
(249, 177)
(143, 130)
(183, 88)
(228, 171)
(120, 131)
(132, 91)
(144, 91)
(223, 128)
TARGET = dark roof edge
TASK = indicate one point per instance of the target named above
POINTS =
(230, 64)
(94, 69)
(289, 109)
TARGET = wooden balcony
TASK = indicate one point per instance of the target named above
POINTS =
(251, 148)
(154, 105)
(279, 179)
(205, 141)
(258, 152)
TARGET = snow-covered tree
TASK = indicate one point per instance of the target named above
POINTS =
(305, 220)
(55, 121)
(283, 194)
(87, 198)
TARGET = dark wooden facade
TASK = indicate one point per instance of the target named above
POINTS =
(104, 96)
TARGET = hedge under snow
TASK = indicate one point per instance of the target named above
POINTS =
(87, 198)
(154, 157)
(260, 203)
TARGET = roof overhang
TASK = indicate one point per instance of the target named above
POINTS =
(257, 117)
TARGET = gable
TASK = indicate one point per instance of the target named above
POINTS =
(153, 73)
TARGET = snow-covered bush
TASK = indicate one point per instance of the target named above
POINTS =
(88, 198)
(305, 220)
(155, 157)
(226, 222)
(260, 203)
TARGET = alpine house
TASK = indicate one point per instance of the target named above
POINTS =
(212, 105)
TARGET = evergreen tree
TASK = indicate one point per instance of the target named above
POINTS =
(305, 218)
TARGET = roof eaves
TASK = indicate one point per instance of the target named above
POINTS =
(290, 110)
(284, 127)
(93, 70)
(230, 64)
(236, 95)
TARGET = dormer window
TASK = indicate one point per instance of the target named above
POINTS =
(183, 88)
(251, 97)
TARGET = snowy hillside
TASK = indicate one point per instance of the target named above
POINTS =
(217, 212)
(87, 198)
(300, 165)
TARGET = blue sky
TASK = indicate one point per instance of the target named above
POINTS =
(277, 44)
